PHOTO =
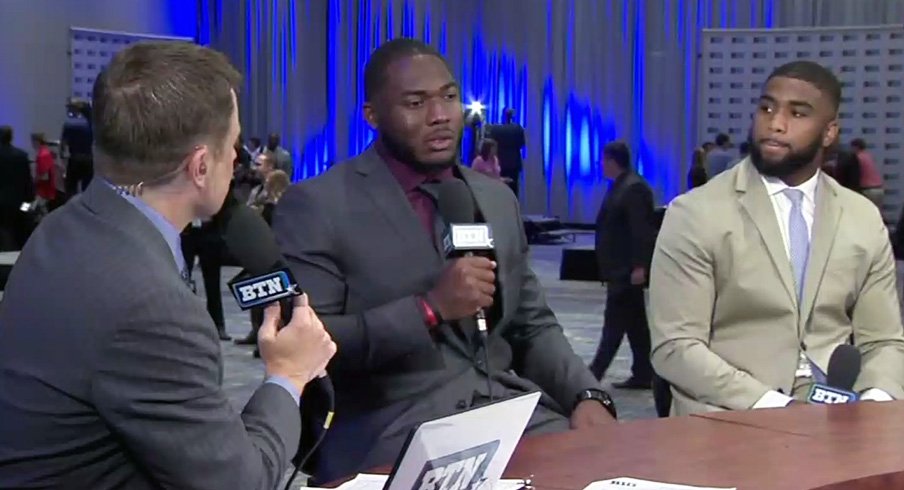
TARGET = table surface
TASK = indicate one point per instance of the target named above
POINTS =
(804, 447)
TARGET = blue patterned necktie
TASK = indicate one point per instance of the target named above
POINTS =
(798, 239)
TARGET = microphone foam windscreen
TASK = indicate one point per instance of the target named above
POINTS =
(844, 367)
(250, 240)
(455, 202)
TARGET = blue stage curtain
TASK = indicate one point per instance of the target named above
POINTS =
(579, 73)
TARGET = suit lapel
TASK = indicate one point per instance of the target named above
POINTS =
(822, 238)
(758, 206)
(388, 198)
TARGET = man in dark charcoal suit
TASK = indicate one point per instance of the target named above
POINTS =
(509, 137)
(109, 365)
(625, 236)
(16, 187)
(363, 237)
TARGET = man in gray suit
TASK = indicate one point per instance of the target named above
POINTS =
(109, 365)
(362, 236)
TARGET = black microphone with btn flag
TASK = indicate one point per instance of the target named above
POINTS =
(251, 243)
(844, 367)
(463, 237)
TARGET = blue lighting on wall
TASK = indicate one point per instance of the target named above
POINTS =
(575, 122)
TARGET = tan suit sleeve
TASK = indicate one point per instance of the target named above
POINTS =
(682, 298)
(876, 319)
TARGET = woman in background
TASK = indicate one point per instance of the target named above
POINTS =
(45, 173)
(276, 184)
(486, 161)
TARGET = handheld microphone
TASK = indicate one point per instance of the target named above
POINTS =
(252, 244)
(462, 236)
(844, 367)
(465, 238)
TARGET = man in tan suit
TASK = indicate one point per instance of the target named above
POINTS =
(760, 274)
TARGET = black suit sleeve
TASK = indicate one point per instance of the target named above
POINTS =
(638, 205)
(366, 340)
(541, 351)
(157, 386)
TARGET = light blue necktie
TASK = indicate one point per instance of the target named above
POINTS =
(798, 238)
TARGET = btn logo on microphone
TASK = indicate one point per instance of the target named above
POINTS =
(467, 238)
(265, 289)
(463, 470)
(826, 395)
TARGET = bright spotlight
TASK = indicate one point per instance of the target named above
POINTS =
(475, 107)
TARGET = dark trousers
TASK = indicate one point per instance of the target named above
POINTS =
(625, 313)
(14, 229)
(514, 182)
(79, 173)
(210, 271)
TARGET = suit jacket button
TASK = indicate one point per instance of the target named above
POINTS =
(461, 405)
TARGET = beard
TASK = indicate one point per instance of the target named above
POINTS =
(403, 152)
(794, 161)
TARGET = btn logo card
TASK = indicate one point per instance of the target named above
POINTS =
(264, 289)
(463, 470)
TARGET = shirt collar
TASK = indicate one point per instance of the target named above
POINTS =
(406, 175)
(170, 234)
(774, 186)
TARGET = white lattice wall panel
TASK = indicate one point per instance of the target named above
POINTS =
(869, 61)
(90, 51)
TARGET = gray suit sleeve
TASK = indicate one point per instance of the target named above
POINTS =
(542, 353)
(157, 388)
(367, 340)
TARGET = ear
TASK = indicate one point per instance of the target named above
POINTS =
(830, 135)
(370, 115)
(198, 166)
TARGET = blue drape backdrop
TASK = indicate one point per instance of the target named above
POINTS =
(578, 73)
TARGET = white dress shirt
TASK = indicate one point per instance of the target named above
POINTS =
(781, 204)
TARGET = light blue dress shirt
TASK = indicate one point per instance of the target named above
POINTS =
(173, 239)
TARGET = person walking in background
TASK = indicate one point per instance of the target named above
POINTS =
(282, 159)
(719, 158)
(743, 152)
(625, 234)
(16, 188)
(696, 175)
(509, 137)
(486, 161)
(45, 173)
(871, 183)
(76, 141)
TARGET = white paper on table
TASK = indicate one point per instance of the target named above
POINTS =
(625, 483)
(366, 481)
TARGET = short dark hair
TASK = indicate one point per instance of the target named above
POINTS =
(722, 139)
(6, 135)
(858, 144)
(619, 153)
(387, 54)
(154, 103)
(39, 138)
(813, 73)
